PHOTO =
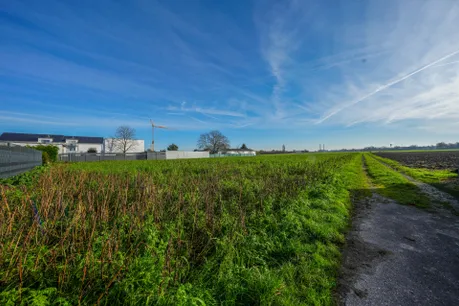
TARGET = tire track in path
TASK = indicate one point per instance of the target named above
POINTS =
(435, 194)
(400, 255)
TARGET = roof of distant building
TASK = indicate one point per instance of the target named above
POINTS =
(24, 137)
(237, 150)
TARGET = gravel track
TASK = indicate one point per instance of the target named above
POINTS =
(400, 255)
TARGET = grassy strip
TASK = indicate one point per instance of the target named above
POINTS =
(355, 178)
(415, 151)
(424, 175)
(254, 231)
(438, 178)
(392, 184)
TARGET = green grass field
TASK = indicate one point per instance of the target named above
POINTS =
(263, 230)
(247, 231)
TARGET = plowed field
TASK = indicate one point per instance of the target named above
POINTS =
(428, 160)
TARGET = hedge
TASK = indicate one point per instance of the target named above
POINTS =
(49, 152)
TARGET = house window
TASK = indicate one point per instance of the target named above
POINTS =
(72, 145)
(45, 140)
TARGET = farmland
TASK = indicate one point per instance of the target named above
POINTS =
(439, 160)
(262, 230)
(247, 231)
(436, 168)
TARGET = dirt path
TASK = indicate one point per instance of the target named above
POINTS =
(400, 255)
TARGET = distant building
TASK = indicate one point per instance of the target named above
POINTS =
(244, 152)
(111, 145)
(66, 144)
(71, 144)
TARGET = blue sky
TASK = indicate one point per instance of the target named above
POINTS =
(265, 73)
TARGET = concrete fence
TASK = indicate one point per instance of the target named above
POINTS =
(16, 160)
(186, 154)
(87, 157)
(232, 154)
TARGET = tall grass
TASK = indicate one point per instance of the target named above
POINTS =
(253, 231)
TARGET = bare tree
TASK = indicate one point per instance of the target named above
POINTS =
(213, 141)
(124, 138)
(110, 144)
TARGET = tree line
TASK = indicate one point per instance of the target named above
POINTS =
(213, 141)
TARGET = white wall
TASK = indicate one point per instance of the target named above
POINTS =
(139, 146)
(84, 147)
(186, 154)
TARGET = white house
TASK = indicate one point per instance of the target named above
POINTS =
(112, 145)
(66, 144)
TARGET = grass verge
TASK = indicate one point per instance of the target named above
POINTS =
(356, 180)
(444, 180)
(391, 184)
(424, 175)
(254, 231)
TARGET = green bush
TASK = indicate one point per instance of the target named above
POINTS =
(45, 158)
(50, 150)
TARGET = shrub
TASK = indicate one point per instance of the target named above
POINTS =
(172, 147)
(50, 150)
(92, 150)
(45, 158)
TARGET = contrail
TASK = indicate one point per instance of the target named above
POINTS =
(386, 86)
(446, 64)
(198, 120)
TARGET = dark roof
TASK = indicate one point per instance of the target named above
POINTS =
(56, 138)
(237, 150)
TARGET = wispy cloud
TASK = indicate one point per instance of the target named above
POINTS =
(385, 86)
(69, 120)
(413, 81)
(279, 38)
(206, 111)
(197, 120)
(389, 66)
